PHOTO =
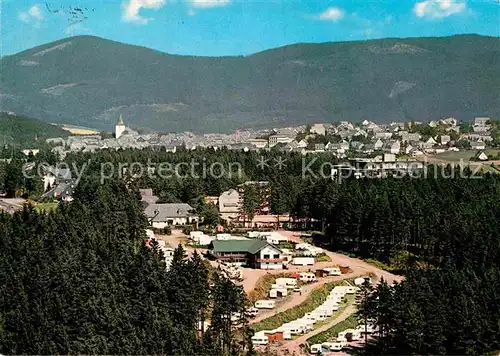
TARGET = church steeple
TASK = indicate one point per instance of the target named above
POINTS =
(120, 127)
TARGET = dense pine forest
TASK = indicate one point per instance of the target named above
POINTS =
(80, 280)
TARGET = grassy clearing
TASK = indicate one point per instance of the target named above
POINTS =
(323, 258)
(314, 300)
(348, 301)
(455, 156)
(380, 265)
(40, 207)
(324, 336)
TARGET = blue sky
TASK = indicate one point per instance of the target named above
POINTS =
(238, 27)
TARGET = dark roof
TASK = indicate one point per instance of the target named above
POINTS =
(251, 246)
(161, 212)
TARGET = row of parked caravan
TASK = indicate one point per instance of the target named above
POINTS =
(279, 289)
(306, 323)
(343, 339)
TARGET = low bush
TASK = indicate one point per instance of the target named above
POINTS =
(323, 258)
(263, 286)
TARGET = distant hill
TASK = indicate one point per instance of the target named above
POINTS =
(26, 132)
(89, 81)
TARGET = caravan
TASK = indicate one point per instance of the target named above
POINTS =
(349, 335)
(278, 292)
(287, 282)
(260, 338)
(265, 304)
(316, 348)
(334, 346)
(307, 277)
(333, 271)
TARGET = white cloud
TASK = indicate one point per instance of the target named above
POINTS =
(131, 9)
(77, 29)
(435, 9)
(33, 15)
(209, 3)
(331, 14)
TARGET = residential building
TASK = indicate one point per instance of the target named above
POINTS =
(257, 142)
(229, 204)
(31, 152)
(319, 147)
(481, 121)
(302, 144)
(429, 143)
(383, 135)
(378, 145)
(406, 136)
(254, 253)
(450, 121)
(481, 156)
(375, 168)
(392, 146)
(477, 145)
(62, 191)
(161, 215)
(445, 139)
(318, 129)
(279, 138)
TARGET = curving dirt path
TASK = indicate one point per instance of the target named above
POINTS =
(358, 267)
(297, 298)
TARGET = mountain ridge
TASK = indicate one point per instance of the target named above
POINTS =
(89, 81)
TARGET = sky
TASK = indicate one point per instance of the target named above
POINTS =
(238, 27)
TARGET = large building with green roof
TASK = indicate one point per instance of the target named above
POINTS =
(254, 253)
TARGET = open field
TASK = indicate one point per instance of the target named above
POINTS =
(47, 207)
(78, 130)
(456, 157)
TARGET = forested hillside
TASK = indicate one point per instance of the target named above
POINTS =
(442, 231)
(27, 132)
(80, 280)
(90, 81)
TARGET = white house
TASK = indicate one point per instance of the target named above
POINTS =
(161, 215)
(482, 156)
(254, 253)
(478, 145)
(318, 129)
(378, 144)
(229, 204)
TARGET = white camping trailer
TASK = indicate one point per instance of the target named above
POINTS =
(303, 261)
(334, 346)
(287, 282)
(265, 304)
(316, 348)
(260, 338)
(278, 292)
(307, 277)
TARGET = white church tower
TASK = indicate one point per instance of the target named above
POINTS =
(120, 127)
